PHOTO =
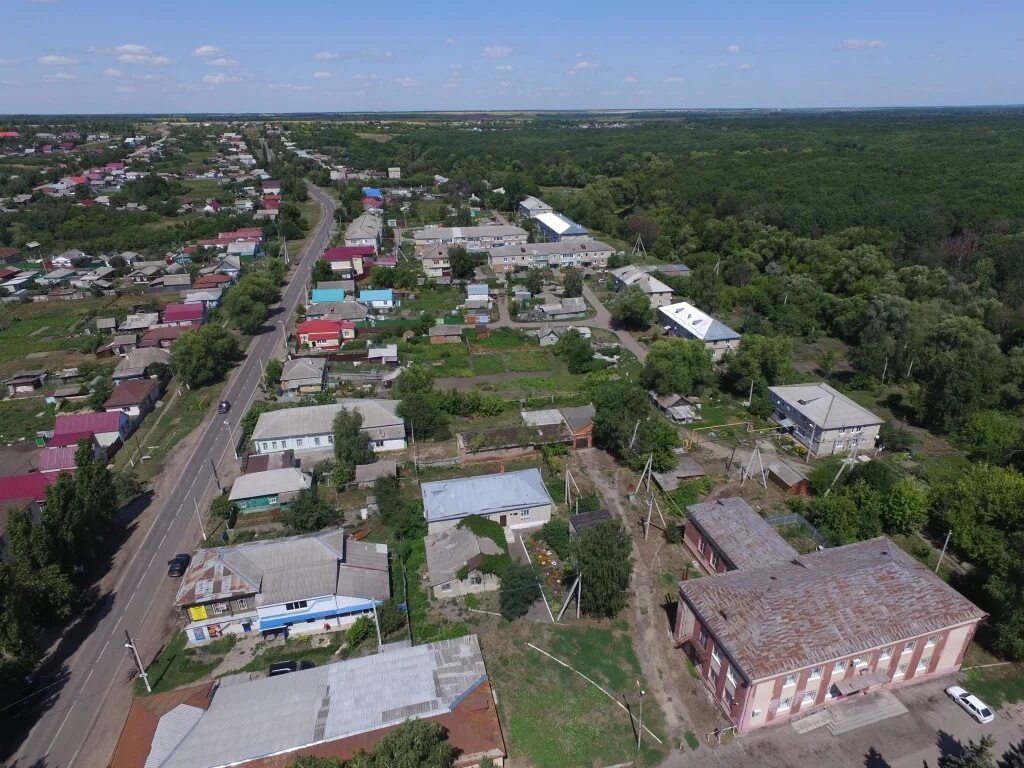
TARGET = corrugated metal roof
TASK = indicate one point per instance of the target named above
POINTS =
(483, 495)
(269, 483)
(739, 533)
(824, 406)
(318, 419)
(697, 323)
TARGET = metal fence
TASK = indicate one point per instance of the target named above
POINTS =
(797, 519)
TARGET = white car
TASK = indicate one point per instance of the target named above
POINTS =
(974, 706)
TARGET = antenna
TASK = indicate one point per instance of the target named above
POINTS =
(638, 248)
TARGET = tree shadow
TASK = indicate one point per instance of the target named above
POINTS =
(874, 759)
(1013, 757)
(949, 746)
(670, 608)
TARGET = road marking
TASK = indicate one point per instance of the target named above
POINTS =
(63, 722)
(104, 650)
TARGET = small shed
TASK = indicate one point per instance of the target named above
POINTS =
(789, 479)
(584, 520)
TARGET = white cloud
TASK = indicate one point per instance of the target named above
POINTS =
(133, 48)
(744, 67)
(496, 51)
(358, 93)
(52, 60)
(450, 41)
(451, 84)
(581, 66)
(207, 50)
(733, 48)
(455, 67)
(8, 62)
(125, 89)
(673, 79)
(631, 78)
(219, 78)
(861, 45)
(220, 61)
(288, 87)
(145, 77)
(362, 76)
(143, 58)
(325, 56)
(60, 76)
(111, 72)
(504, 68)
(407, 82)
(322, 75)
(505, 83)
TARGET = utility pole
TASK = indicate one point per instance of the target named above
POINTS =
(640, 730)
(199, 519)
(376, 624)
(130, 645)
(215, 476)
(942, 554)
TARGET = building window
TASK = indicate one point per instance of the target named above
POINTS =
(703, 637)
(242, 604)
(273, 445)
(316, 441)
(886, 654)
(901, 670)
(220, 607)
(839, 666)
(716, 652)
(785, 703)
(909, 646)
(730, 675)
(807, 698)
(296, 605)
(714, 677)
(525, 513)
(447, 587)
(923, 664)
(930, 641)
(713, 558)
(790, 680)
(815, 673)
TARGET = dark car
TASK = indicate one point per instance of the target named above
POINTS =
(224, 406)
(284, 667)
(177, 565)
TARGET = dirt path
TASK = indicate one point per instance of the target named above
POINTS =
(681, 698)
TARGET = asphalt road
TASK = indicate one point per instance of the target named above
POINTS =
(97, 671)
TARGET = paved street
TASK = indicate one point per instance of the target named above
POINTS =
(140, 599)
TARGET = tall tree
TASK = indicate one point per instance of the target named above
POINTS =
(518, 590)
(572, 282)
(351, 446)
(322, 271)
(307, 512)
(632, 309)
(272, 374)
(463, 265)
(603, 556)
(977, 754)
(676, 366)
(204, 356)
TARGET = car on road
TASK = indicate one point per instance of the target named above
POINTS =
(974, 706)
(224, 406)
(284, 667)
(177, 565)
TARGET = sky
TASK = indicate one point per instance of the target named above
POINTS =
(103, 56)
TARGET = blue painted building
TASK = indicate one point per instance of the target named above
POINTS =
(372, 192)
(322, 295)
(379, 299)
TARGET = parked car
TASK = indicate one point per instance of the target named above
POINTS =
(224, 406)
(974, 706)
(177, 565)
(284, 667)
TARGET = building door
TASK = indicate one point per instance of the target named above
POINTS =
(504, 520)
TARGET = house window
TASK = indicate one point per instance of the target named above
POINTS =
(713, 559)
(785, 703)
(242, 604)
(807, 698)
(729, 698)
(296, 605)
(273, 445)
(839, 666)
(703, 636)
(923, 664)
(525, 513)
(714, 677)
(886, 654)
(446, 587)
(330, 439)
(716, 652)
(815, 673)
(730, 675)
(790, 680)
(909, 646)
(701, 544)
(930, 641)
(316, 441)
(300, 442)
(901, 670)
(220, 607)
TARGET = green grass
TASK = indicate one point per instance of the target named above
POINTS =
(436, 301)
(20, 418)
(507, 338)
(204, 188)
(179, 665)
(487, 364)
(298, 649)
(691, 740)
(996, 686)
(943, 469)
(425, 629)
(528, 360)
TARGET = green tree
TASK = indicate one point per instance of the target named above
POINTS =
(403, 516)
(220, 507)
(426, 420)
(576, 351)
(764, 360)
(322, 271)
(272, 374)
(676, 366)
(906, 508)
(202, 357)
(626, 426)
(463, 265)
(518, 590)
(414, 379)
(632, 309)
(603, 557)
(413, 744)
(382, 277)
(351, 446)
(572, 282)
(308, 512)
(101, 392)
(989, 436)
(837, 517)
(534, 281)
(977, 754)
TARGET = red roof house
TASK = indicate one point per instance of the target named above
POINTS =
(211, 281)
(24, 487)
(107, 426)
(9, 134)
(185, 314)
(325, 334)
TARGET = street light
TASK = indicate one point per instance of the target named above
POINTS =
(640, 730)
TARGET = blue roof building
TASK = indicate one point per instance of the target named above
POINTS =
(372, 192)
(322, 295)
(378, 299)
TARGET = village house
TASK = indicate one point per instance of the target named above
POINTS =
(379, 300)
(577, 420)
(336, 709)
(454, 557)
(446, 334)
(258, 491)
(823, 419)
(134, 398)
(349, 262)
(162, 336)
(304, 375)
(298, 584)
(686, 321)
(137, 364)
(324, 334)
(110, 428)
(727, 534)
(365, 230)
(337, 310)
(25, 383)
(784, 636)
(531, 207)
(185, 314)
(385, 354)
(516, 500)
(311, 428)
(435, 261)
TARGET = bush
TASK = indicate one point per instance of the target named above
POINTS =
(555, 533)
(360, 632)
(518, 591)
(390, 617)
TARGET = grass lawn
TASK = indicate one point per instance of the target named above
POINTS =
(179, 665)
(552, 716)
(204, 187)
(485, 364)
(942, 469)
(997, 686)
(297, 649)
(23, 417)
(437, 300)
(530, 360)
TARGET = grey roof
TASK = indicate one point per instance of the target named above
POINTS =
(533, 204)
(283, 570)
(542, 418)
(824, 606)
(697, 323)
(384, 352)
(377, 415)
(556, 248)
(346, 285)
(138, 360)
(275, 715)
(106, 323)
(446, 330)
(273, 481)
(578, 416)
(742, 536)
(367, 473)
(824, 406)
(483, 494)
(432, 234)
(337, 310)
(450, 550)
(478, 289)
(364, 227)
(304, 369)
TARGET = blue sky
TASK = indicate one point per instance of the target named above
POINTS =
(59, 56)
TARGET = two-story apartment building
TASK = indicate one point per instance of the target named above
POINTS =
(435, 261)
(726, 535)
(686, 321)
(824, 419)
(781, 638)
(563, 253)
(298, 585)
(532, 207)
(475, 238)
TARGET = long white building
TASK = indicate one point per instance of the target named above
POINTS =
(311, 428)
(564, 253)
(685, 320)
(479, 238)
